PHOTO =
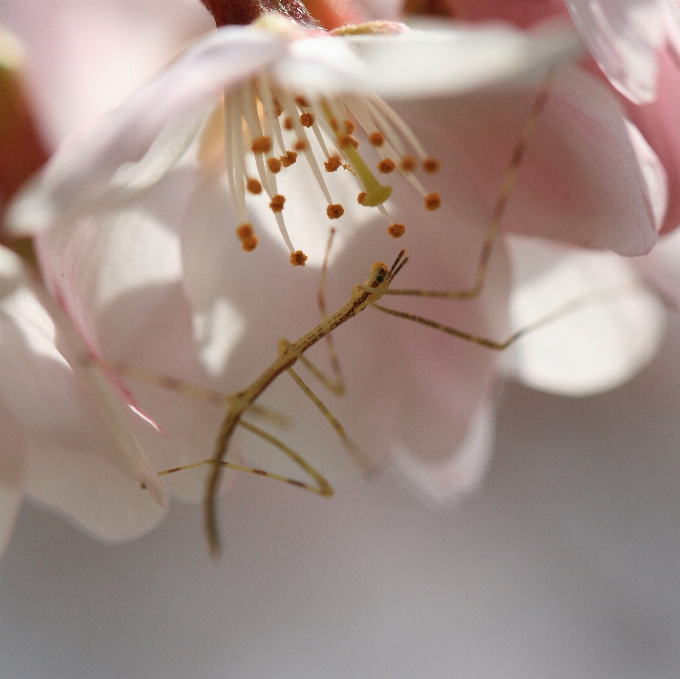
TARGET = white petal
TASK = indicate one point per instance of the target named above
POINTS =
(594, 348)
(447, 480)
(662, 266)
(456, 60)
(623, 37)
(11, 271)
(93, 494)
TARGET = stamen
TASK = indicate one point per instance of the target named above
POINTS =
(301, 101)
(396, 230)
(376, 139)
(298, 258)
(287, 123)
(430, 165)
(432, 201)
(300, 145)
(247, 237)
(385, 166)
(254, 186)
(348, 125)
(288, 159)
(274, 165)
(333, 163)
(277, 202)
(335, 211)
(261, 145)
(306, 120)
(407, 164)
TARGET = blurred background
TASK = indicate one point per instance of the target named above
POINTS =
(564, 564)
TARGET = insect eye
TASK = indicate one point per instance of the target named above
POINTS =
(379, 278)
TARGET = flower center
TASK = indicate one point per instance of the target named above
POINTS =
(267, 128)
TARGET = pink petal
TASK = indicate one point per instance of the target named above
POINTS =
(447, 480)
(658, 123)
(86, 57)
(580, 180)
(604, 343)
(83, 167)
(624, 38)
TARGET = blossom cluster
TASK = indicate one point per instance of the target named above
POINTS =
(165, 230)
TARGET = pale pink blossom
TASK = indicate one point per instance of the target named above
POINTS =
(136, 237)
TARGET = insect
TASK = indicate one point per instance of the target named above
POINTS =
(362, 296)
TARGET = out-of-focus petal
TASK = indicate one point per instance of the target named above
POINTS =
(12, 472)
(658, 123)
(580, 180)
(98, 497)
(446, 480)
(653, 173)
(69, 408)
(662, 266)
(83, 167)
(596, 347)
(454, 60)
(671, 18)
(85, 58)
(624, 38)
(11, 271)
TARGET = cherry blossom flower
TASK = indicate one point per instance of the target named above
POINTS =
(137, 223)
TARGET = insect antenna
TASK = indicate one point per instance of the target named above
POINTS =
(398, 264)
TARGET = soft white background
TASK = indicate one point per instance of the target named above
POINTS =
(565, 564)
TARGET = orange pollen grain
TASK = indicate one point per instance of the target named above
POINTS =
(396, 230)
(277, 108)
(346, 140)
(335, 211)
(385, 166)
(307, 120)
(249, 244)
(288, 159)
(333, 163)
(300, 145)
(261, 145)
(431, 165)
(244, 231)
(254, 186)
(287, 124)
(407, 164)
(247, 237)
(277, 202)
(298, 258)
(360, 197)
(334, 124)
(274, 165)
(432, 201)
(376, 139)
(349, 126)
(301, 101)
